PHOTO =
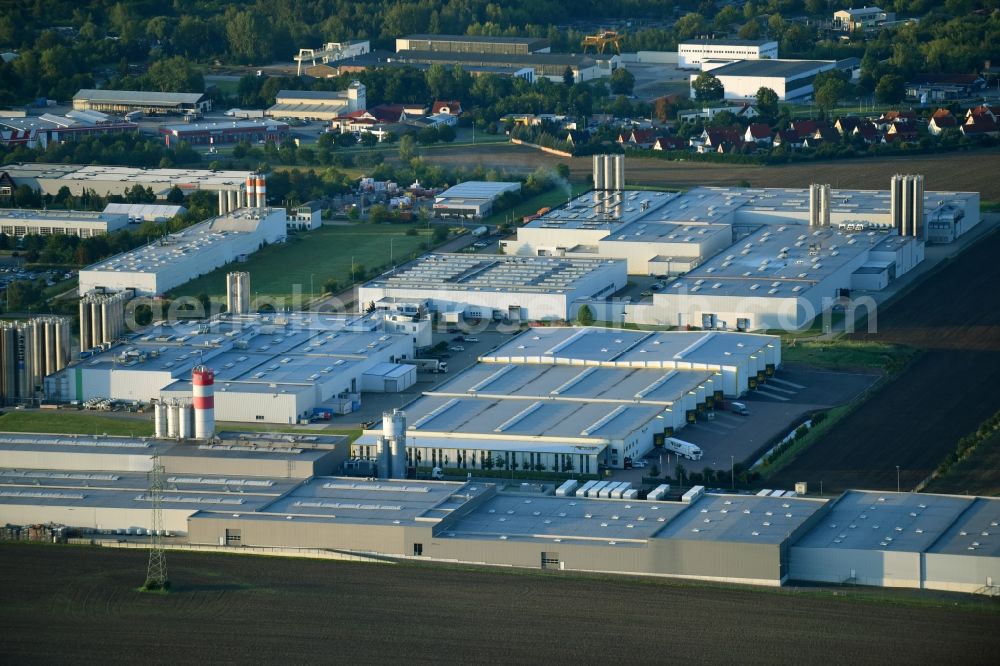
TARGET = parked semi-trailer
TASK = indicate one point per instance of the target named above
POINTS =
(682, 448)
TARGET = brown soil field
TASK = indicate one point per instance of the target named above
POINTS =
(953, 315)
(65, 604)
(974, 171)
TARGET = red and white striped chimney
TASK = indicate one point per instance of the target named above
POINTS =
(261, 190)
(203, 391)
(250, 191)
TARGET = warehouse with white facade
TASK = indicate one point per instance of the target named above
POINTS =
(107, 180)
(268, 368)
(471, 199)
(179, 257)
(790, 79)
(19, 222)
(692, 53)
(497, 287)
(578, 398)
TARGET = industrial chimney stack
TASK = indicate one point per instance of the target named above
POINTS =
(203, 390)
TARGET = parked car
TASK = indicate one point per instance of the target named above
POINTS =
(470, 338)
(639, 464)
(456, 348)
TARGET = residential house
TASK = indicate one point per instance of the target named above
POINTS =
(900, 131)
(758, 134)
(823, 134)
(669, 143)
(980, 125)
(867, 131)
(807, 126)
(788, 138)
(984, 110)
(712, 137)
(396, 113)
(451, 107)
(847, 124)
(890, 117)
(577, 137)
(940, 121)
(7, 188)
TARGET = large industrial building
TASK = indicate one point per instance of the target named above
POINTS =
(318, 105)
(497, 287)
(693, 52)
(138, 213)
(267, 368)
(732, 244)
(538, 65)
(471, 199)
(40, 131)
(126, 101)
(179, 257)
(20, 222)
(480, 44)
(790, 79)
(246, 490)
(580, 399)
(106, 180)
(225, 132)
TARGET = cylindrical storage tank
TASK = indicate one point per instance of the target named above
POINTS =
(222, 203)
(251, 197)
(184, 424)
(619, 161)
(106, 321)
(381, 458)
(609, 173)
(398, 444)
(160, 420)
(231, 201)
(171, 420)
(85, 325)
(95, 325)
(203, 391)
(261, 191)
(598, 172)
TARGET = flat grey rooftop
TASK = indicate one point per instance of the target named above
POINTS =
(138, 96)
(975, 532)
(904, 522)
(226, 125)
(725, 42)
(565, 382)
(741, 518)
(776, 262)
(771, 68)
(567, 345)
(469, 272)
(557, 519)
(392, 502)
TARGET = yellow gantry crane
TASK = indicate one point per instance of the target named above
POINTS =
(602, 39)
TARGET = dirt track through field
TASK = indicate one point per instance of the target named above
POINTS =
(78, 605)
(954, 315)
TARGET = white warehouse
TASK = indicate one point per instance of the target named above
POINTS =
(578, 398)
(268, 368)
(17, 222)
(500, 287)
(693, 52)
(177, 258)
(791, 79)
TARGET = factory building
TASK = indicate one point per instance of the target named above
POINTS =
(20, 222)
(330, 52)
(126, 101)
(471, 199)
(279, 491)
(139, 213)
(479, 44)
(171, 261)
(267, 368)
(225, 132)
(107, 180)
(102, 318)
(790, 79)
(693, 52)
(464, 286)
(904, 540)
(30, 351)
(540, 65)
(238, 293)
(577, 399)
(307, 217)
(317, 104)
(46, 129)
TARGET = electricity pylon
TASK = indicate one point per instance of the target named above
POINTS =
(156, 575)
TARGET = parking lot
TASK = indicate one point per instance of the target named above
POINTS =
(775, 409)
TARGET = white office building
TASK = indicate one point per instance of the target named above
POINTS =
(692, 53)
(18, 222)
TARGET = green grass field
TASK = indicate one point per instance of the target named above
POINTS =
(847, 354)
(83, 423)
(531, 206)
(279, 271)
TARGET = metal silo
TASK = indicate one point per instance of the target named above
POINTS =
(184, 425)
(203, 391)
(598, 172)
(171, 420)
(85, 339)
(160, 419)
